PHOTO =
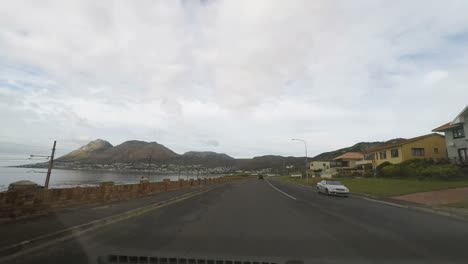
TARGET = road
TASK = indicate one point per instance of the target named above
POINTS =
(274, 221)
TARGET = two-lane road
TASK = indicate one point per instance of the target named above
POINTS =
(273, 220)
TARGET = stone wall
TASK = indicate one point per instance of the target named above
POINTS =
(21, 202)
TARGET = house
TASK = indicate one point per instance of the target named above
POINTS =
(456, 141)
(319, 165)
(321, 169)
(347, 160)
(431, 146)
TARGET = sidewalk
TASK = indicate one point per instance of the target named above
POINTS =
(24, 229)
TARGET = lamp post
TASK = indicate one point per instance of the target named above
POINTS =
(305, 146)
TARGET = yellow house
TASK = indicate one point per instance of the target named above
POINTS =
(431, 146)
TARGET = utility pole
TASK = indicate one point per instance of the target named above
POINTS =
(283, 166)
(49, 169)
(149, 166)
(305, 146)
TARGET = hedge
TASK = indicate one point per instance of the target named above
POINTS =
(420, 168)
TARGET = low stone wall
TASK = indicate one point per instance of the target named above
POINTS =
(21, 202)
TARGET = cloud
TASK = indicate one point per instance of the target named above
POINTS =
(435, 76)
(249, 74)
(210, 143)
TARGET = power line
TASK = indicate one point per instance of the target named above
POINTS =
(22, 158)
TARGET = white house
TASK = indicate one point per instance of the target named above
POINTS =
(457, 142)
(319, 165)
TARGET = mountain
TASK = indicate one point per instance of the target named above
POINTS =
(87, 151)
(270, 161)
(207, 159)
(102, 152)
(359, 147)
(137, 151)
(207, 154)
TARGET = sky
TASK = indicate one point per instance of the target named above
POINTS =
(237, 77)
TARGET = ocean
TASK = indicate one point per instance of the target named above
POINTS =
(70, 178)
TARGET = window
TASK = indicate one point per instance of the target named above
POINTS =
(369, 156)
(418, 151)
(458, 133)
(436, 150)
(394, 153)
(383, 154)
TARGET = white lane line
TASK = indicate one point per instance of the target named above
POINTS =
(280, 190)
(383, 202)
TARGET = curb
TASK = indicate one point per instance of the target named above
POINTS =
(47, 239)
(414, 206)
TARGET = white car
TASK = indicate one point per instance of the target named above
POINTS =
(332, 188)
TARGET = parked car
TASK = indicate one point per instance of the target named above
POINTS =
(331, 187)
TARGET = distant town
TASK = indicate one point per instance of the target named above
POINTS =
(152, 168)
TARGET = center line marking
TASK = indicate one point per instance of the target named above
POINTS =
(280, 190)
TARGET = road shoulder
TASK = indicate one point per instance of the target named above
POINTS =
(28, 233)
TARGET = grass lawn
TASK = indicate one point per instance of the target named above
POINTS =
(380, 187)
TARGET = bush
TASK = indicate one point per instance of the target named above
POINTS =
(383, 165)
(367, 174)
(443, 172)
(422, 169)
(391, 171)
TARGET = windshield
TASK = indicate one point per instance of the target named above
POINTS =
(233, 131)
(333, 183)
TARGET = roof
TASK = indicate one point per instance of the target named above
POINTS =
(400, 143)
(350, 155)
(446, 127)
(454, 124)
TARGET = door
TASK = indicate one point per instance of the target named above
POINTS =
(320, 186)
(463, 155)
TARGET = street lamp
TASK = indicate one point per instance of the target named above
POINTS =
(305, 146)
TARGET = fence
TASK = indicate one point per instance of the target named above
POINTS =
(27, 201)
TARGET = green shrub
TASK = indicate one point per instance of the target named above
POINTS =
(367, 174)
(421, 169)
(391, 171)
(382, 165)
(443, 172)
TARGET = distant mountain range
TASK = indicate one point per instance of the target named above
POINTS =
(102, 152)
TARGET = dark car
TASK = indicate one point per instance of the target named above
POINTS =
(260, 177)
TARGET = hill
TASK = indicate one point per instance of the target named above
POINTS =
(134, 151)
(270, 161)
(206, 158)
(102, 152)
(358, 147)
(87, 151)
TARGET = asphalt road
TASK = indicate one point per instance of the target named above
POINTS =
(273, 221)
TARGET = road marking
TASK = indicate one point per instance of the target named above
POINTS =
(383, 202)
(280, 190)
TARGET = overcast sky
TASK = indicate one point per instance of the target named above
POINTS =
(239, 77)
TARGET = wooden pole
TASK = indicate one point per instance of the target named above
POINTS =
(49, 169)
